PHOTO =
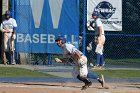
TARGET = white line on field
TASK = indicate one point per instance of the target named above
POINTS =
(24, 86)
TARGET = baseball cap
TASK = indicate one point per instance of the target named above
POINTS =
(8, 13)
(95, 13)
(60, 38)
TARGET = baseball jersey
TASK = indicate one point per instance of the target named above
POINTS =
(9, 24)
(70, 49)
(97, 24)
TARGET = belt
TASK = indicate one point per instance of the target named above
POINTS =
(8, 32)
(98, 35)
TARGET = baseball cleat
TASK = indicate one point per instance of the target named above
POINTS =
(88, 84)
(84, 88)
(102, 80)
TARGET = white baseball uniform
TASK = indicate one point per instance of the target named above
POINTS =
(81, 65)
(101, 39)
(7, 27)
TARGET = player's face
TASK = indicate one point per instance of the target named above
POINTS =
(59, 43)
(7, 17)
(94, 17)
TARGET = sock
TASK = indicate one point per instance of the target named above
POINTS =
(92, 76)
(98, 59)
(102, 60)
(100, 80)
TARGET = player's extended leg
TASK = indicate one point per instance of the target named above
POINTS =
(94, 76)
(76, 74)
(83, 76)
(12, 54)
(12, 50)
(3, 56)
(4, 48)
(83, 71)
(102, 62)
(99, 52)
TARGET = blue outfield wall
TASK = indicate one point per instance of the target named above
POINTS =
(41, 21)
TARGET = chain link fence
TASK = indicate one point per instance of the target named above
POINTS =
(121, 48)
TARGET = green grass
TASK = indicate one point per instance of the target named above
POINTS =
(130, 62)
(25, 73)
(119, 73)
(22, 73)
(123, 61)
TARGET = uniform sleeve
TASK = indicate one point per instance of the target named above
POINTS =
(99, 23)
(74, 49)
(1, 26)
(14, 23)
(66, 53)
(69, 48)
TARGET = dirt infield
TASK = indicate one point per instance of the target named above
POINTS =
(68, 88)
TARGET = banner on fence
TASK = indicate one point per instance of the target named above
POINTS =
(41, 21)
(110, 13)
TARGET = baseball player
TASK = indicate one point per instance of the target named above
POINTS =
(80, 70)
(99, 39)
(8, 28)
